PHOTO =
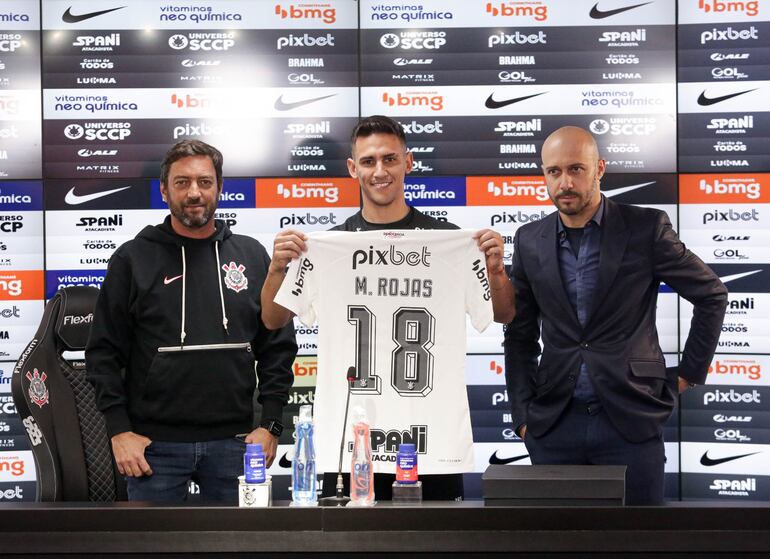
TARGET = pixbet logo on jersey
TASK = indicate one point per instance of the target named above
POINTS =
(391, 257)
(741, 186)
(307, 12)
(534, 10)
(430, 100)
(750, 8)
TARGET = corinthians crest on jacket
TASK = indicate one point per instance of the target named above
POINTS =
(38, 391)
(235, 278)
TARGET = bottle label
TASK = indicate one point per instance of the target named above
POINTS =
(254, 468)
(406, 468)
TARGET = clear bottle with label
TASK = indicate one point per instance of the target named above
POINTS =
(361, 470)
(303, 475)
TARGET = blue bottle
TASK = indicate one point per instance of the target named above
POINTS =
(406, 463)
(254, 464)
(303, 477)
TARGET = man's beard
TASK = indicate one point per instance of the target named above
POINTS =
(193, 222)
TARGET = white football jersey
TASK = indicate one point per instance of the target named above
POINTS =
(390, 307)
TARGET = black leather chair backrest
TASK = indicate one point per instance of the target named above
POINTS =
(56, 405)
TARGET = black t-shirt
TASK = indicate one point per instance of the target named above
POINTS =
(415, 219)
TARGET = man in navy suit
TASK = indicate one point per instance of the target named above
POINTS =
(589, 275)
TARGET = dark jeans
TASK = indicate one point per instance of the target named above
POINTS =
(213, 465)
(585, 435)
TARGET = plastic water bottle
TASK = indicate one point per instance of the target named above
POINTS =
(361, 471)
(406, 463)
(303, 478)
(254, 463)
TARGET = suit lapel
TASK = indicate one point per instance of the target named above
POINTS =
(549, 264)
(613, 247)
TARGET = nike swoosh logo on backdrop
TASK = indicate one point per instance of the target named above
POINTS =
(596, 13)
(706, 101)
(73, 199)
(492, 104)
(168, 280)
(706, 461)
(494, 459)
(284, 462)
(280, 105)
(624, 189)
(69, 17)
(732, 277)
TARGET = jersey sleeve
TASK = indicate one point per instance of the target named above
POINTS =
(299, 289)
(478, 296)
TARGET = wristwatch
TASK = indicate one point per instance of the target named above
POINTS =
(273, 426)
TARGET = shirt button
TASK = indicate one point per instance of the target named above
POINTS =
(584, 345)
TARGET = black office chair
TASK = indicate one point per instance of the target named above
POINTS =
(56, 404)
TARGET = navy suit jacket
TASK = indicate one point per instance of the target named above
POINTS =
(619, 343)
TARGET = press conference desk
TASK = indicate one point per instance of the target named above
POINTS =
(123, 528)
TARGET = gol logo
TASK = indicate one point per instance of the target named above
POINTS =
(433, 102)
(747, 8)
(308, 11)
(519, 9)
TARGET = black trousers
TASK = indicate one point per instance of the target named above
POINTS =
(585, 435)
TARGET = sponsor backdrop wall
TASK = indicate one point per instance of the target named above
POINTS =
(93, 93)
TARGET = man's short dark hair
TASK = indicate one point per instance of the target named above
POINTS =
(377, 124)
(189, 148)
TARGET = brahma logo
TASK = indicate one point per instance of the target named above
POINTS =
(750, 8)
(430, 100)
(194, 101)
(322, 12)
(736, 368)
(740, 186)
(328, 193)
(535, 10)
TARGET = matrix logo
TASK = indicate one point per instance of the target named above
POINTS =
(329, 193)
(740, 186)
(391, 257)
(535, 10)
(432, 101)
(307, 12)
(538, 191)
(750, 8)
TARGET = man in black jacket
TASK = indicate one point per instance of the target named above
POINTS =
(587, 279)
(174, 341)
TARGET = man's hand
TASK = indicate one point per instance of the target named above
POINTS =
(269, 443)
(128, 449)
(503, 297)
(288, 245)
(684, 384)
(491, 244)
(523, 432)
